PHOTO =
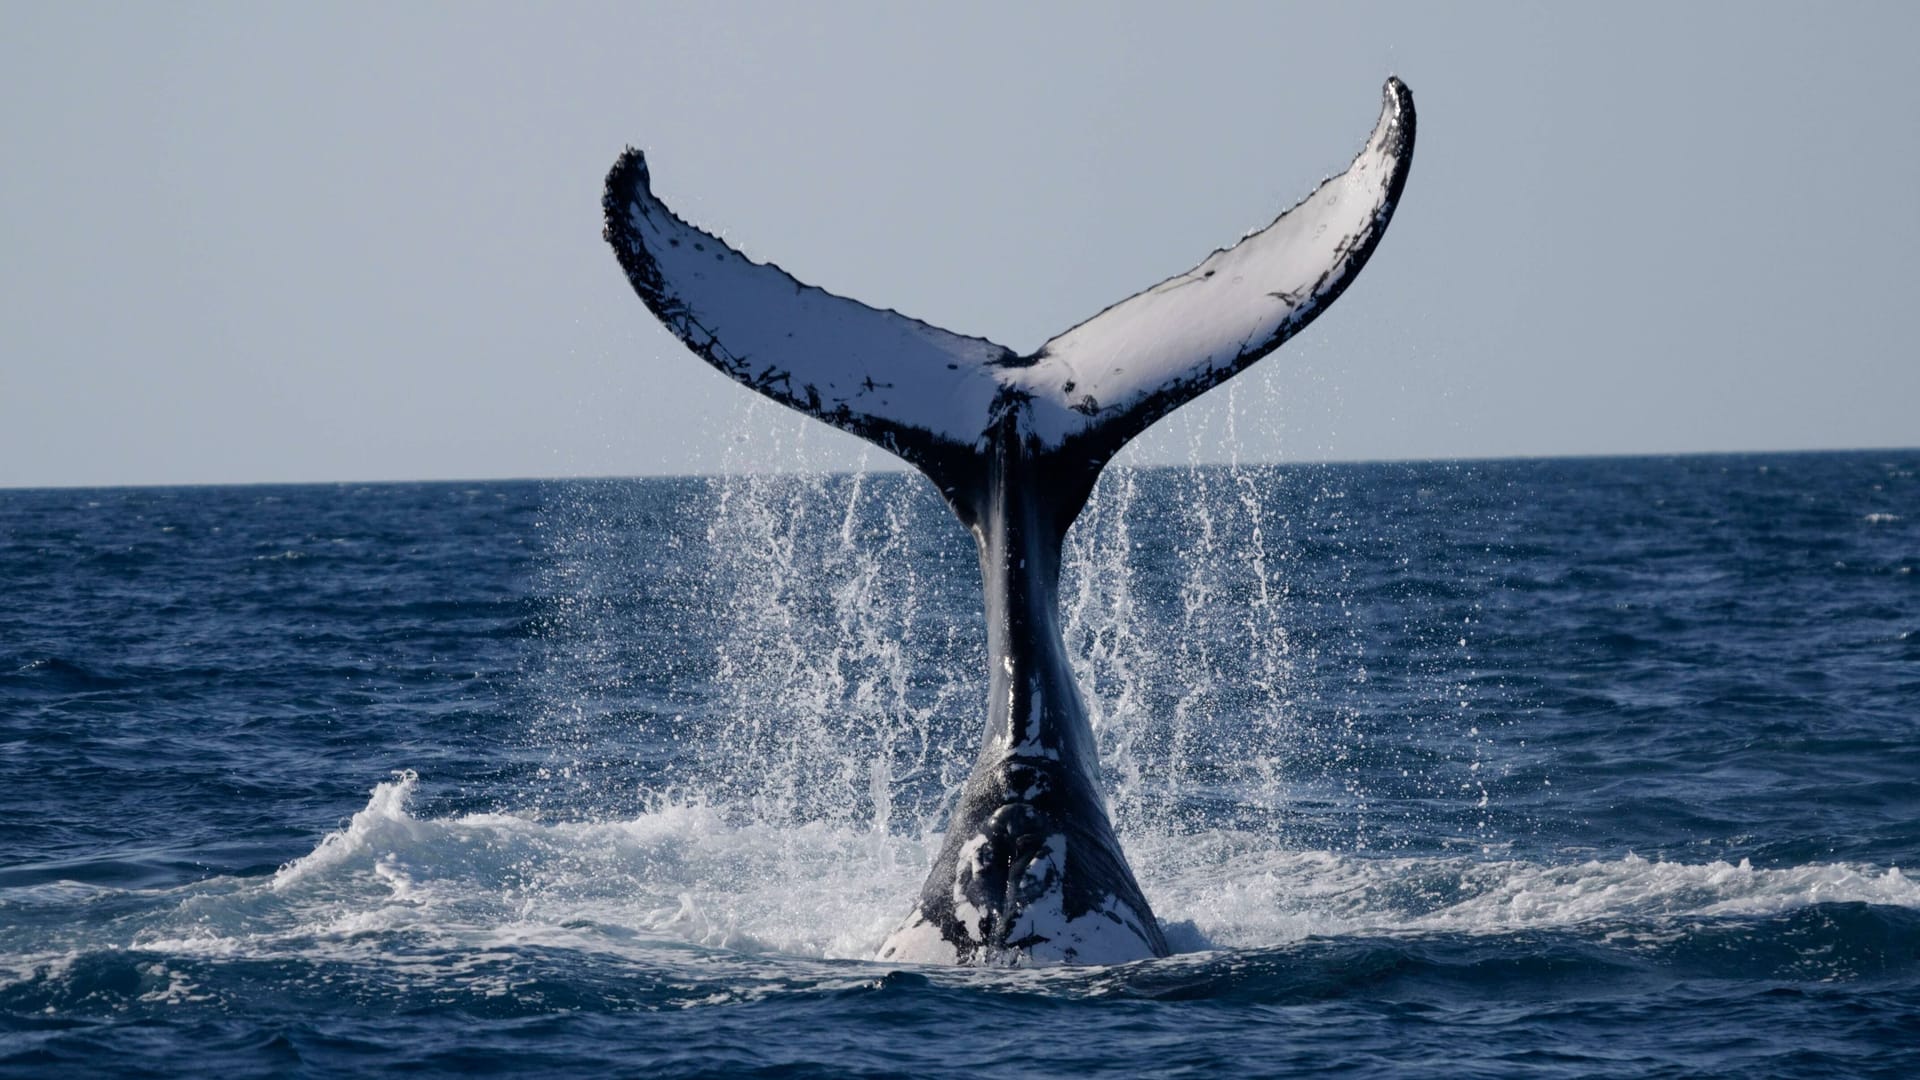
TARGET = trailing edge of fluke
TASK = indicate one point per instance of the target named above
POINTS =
(1030, 870)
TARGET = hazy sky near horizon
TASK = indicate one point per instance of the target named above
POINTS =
(354, 242)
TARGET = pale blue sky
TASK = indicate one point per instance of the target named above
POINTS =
(331, 242)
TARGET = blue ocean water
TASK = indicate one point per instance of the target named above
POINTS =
(1572, 768)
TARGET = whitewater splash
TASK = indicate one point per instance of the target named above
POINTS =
(840, 695)
(390, 884)
(1285, 769)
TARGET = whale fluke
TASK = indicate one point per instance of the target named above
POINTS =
(1030, 869)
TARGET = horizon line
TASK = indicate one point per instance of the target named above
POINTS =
(898, 466)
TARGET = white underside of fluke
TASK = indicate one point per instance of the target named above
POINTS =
(849, 363)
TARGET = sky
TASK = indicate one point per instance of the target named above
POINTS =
(281, 243)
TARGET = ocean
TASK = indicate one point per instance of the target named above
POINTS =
(1586, 767)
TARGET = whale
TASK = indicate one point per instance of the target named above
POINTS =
(1029, 870)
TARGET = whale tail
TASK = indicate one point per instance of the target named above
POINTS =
(1030, 869)
(937, 398)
